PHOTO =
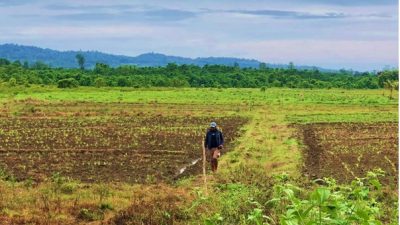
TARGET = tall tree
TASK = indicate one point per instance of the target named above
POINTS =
(81, 61)
(387, 75)
(291, 66)
(262, 66)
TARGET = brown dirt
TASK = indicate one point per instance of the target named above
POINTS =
(134, 149)
(348, 150)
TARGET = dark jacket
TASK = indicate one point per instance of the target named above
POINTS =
(213, 139)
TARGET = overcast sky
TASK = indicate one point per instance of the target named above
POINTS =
(357, 34)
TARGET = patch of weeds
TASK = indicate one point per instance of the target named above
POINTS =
(68, 188)
(106, 206)
(90, 214)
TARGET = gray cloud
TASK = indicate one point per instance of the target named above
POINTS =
(92, 7)
(271, 30)
(170, 14)
(159, 15)
(148, 13)
(290, 14)
(96, 16)
(281, 14)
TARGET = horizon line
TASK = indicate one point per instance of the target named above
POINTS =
(198, 57)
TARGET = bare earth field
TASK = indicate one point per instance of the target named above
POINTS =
(129, 146)
(348, 150)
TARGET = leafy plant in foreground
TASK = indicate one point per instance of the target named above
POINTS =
(329, 204)
(321, 202)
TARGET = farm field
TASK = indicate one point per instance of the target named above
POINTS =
(344, 151)
(106, 142)
(133, 143)
(124, 148)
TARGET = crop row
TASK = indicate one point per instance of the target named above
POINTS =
(106, 149)
(348, 150)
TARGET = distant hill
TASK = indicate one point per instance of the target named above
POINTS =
(67, 59)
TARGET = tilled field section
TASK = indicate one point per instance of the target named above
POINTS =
(111, 148)
(348, 150)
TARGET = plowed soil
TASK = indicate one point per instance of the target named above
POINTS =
(135, 149)
(348, 150)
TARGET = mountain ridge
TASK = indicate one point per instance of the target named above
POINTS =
(66, 59)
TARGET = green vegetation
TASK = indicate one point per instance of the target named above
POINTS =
(260, 181)
(311, 203)
(173, 75)
(230, 96)
(67, 83)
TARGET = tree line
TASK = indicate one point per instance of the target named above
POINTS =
(173, 75)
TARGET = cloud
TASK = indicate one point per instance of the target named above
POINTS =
(158, 15)
(152, 12)
(282, 14)
(61, 7)
(277, 14)
(169, 14)
(334, 33)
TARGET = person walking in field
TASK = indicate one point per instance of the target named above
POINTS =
(213, 143)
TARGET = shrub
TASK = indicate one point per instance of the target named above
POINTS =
(68, 83)
(106, 206)
(100, 82)
(12, 82)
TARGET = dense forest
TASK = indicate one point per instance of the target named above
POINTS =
(173, 75)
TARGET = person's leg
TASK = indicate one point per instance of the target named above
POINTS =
(213, 165)
(215, 156)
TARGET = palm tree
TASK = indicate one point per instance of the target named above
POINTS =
(391, 85)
